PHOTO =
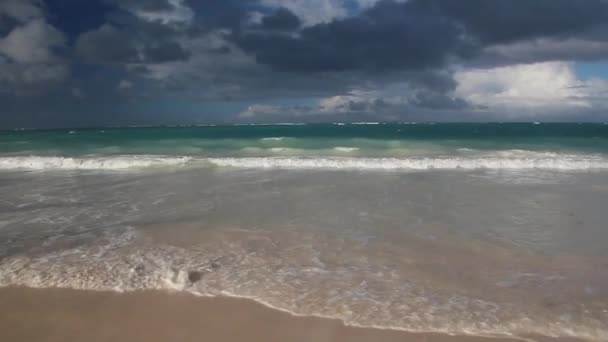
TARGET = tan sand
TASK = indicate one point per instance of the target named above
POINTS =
(67, 315)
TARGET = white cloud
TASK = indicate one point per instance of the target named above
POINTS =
(21, 10)
(32, 43)
(596, 92)
(277, 111)
(341, 104)
(255, 17)
(124, 85)
(178, 14)
(257, 109)
(390, 102)
(364, 4)
(312, 12)
(552, 90)
(27, 58)
(551, 86)
(338, 104)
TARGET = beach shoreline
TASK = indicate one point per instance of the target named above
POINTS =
(74, 315)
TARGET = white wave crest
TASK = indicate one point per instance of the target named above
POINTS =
(346, 149)
(496, 161)
(567, 163)
(91, 163)
(273, 139)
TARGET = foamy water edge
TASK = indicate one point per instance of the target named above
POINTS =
(514, 160)
(55, 273)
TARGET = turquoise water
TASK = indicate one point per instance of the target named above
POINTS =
(313, 138)
(314, 146)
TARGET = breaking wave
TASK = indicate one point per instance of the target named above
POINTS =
(515, 160)
(567, 163)
(89, 163)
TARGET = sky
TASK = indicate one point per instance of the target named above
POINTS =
(74, 63)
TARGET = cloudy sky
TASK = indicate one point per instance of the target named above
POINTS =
(148, 62)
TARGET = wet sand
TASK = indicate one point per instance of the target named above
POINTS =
(69, 315)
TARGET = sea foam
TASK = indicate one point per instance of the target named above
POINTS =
(88, 163)
(123, 264)
(516, 160)
(565, 163)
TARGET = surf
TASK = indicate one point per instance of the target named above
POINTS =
(497, 161)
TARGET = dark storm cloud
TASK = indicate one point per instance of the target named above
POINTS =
(417, 34)
(214, 14)
(146, 5)
(129, 40)
(501, 21)
(437, 100)
(282, 20)
(388, 36)
(165, 52)
(6, 24)
(439, 81)
(541, 51)
(248, 50)
(106, 45)
(423, 33)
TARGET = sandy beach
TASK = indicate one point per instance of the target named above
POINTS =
(69, 315)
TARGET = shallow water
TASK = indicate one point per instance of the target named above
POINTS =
(458, 228)
(480, 251)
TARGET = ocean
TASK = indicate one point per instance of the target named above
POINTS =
(493, 229)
